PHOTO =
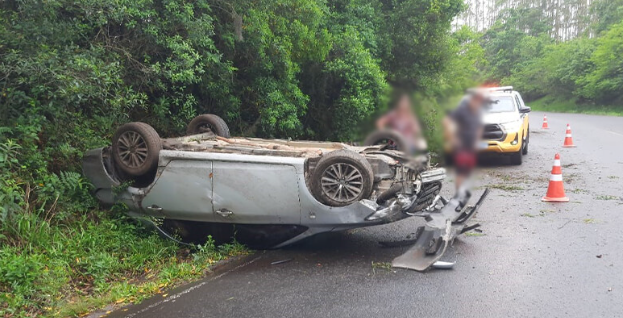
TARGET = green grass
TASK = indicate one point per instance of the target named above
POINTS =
(476, 234)
(530, 215)
(381, 265)
(62, 256)
(549, 104)
(543, 211)
(607, 197)
(67, 269)
(506, 187)
(578, 191)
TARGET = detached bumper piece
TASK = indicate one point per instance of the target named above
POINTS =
(442, 226)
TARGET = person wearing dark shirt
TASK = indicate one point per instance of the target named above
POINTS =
(465, 124)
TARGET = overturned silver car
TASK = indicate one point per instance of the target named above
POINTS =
(275, 192)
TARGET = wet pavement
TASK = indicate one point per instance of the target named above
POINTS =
(532, 259)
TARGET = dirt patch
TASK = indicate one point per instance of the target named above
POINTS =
(572, 177)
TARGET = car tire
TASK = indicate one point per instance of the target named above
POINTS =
(342, 177)
(392, 139)
(526, 142)
(208, 123)
(517, 157)
(135, 149)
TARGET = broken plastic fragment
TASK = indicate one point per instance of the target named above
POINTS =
(443, 265)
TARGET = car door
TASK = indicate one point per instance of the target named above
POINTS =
(256, 193)
(182, 191)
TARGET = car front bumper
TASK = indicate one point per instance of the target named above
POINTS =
(510, 144)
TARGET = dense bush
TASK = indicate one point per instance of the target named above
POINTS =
(71, 71)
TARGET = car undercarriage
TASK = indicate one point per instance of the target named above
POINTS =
(270, 193)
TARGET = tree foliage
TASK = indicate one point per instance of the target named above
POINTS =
(605, 80)
(523, 48)
(292, 68)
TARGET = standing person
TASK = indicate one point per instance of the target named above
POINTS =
(464, 125)
(402, 119)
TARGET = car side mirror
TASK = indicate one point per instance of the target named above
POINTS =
(525, 110)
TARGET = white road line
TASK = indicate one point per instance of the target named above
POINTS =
(189, 289)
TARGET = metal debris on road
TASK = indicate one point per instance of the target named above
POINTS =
(443, 265)
(281, 261)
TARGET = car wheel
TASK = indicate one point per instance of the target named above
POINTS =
(390, 139)
(526, 142)
(342, 177)
(135, 149)
(208, 123)
(517, 158)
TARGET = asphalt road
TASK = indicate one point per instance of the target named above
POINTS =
(533, 259)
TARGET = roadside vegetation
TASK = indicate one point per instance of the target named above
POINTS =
(62, 256)
(66, 268)
(555, 105)
(71, 72)
(563, 56)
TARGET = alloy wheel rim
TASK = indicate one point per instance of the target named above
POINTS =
(342, 182)
(132, 149)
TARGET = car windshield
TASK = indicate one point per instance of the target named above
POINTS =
(501, 104)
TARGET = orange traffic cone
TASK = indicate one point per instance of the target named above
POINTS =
(545, 123)
(556, 190)
(568, 139)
